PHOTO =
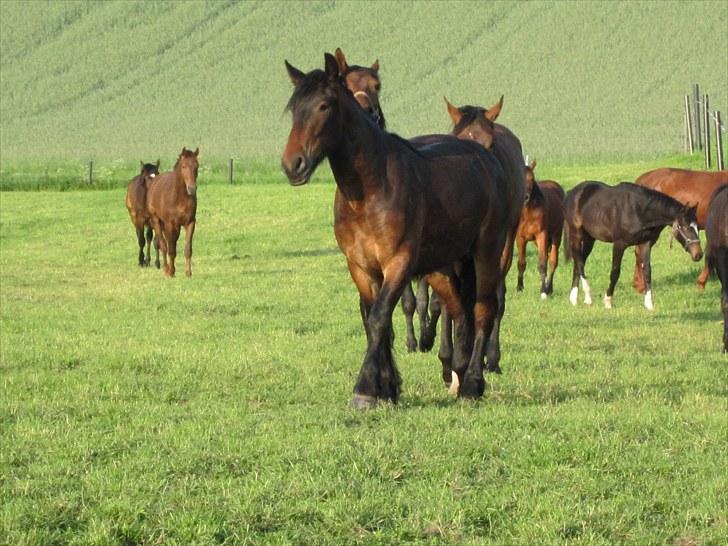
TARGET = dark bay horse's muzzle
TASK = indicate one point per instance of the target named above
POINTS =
(695, 251)
(298, 169)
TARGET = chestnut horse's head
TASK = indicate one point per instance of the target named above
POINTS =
(530, 178)
(187, 167)
(475, 123)
(318, 119)
(685, 230)
(364, 84)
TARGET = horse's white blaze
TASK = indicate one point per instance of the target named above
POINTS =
(574, 295)
(648, 300)
(587, 291)
(607, 302)
(454, 384)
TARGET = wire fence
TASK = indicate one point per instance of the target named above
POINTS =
(697, 128)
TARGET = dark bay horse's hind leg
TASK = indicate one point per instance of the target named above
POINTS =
(140, 240)
(422, 301)
(617, 253)
(581, 246)
(493, 351)
(638, 279)
(408, 308)
(542, 244)
(554, 263)
(149, 237)
(644, 253)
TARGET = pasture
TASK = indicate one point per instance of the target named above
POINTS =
(215, 410)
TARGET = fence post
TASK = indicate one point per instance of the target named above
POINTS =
(688, 127)
(718, 143)
(706, 122)
(90, 172)
(696, 99)
(230, 171)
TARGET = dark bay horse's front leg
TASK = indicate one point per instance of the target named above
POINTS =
(378, 377)
(408, 308)
(644, 256)
(617, 253)
(189, 232)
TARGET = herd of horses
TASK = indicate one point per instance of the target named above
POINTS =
(446, 212)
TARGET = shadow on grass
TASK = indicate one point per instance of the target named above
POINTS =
(306, 253)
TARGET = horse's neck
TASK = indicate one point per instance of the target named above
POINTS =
(664, 213)
(359, 162)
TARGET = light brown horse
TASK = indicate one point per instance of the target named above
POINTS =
(478, 124)
(692, 188)
(172, 204)
(136, 204)
(542, 220)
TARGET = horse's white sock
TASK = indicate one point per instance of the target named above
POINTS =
(648, 300)
(587, 291)
(607, 302)
(574, 295)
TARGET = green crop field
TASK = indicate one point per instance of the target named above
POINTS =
(139, 410)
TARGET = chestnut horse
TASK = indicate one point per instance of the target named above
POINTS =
(478, 124)
(692, 188)
(136, 204)
(624, 215)
(365, 85)
(402, 211)
(716, 248)
(542, 220)
(172, 204)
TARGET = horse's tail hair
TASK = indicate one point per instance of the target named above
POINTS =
(567, 244)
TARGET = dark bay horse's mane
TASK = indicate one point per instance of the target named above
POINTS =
(655, 199)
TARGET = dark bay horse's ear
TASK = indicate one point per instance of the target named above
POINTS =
(197, 151)
(332, 67)
(341, 59)
(491, 114)
(375, 66)
(455, 114)
(294, 73)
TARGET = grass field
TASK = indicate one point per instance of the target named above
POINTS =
(214, 410)
(131, 80)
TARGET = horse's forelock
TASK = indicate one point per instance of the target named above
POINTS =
(311, 83)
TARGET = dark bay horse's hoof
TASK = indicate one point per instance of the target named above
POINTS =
(363, 402)
(472, 389)
(494, 369)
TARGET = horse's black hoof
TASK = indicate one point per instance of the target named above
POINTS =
(363, 402)
(519, 288)
(494, 369)
(472, 390)
(412, 347)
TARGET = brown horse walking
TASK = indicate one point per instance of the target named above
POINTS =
(716, 254)
(402, 211)
(136, 204)
(542, 220)
(172, 204)
(478, 124)
(691, 188)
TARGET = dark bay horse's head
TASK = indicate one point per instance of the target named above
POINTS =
(318, 119)
(685, 230)
(149, 170)
(475, 123)
(364, 84)
(187, 167)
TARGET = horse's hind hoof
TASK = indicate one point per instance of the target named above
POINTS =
(363, 402)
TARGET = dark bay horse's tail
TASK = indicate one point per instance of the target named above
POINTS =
(567, 244)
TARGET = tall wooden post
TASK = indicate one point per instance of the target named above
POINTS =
(706, 123)
(230, 171)
(90, 172)
(688, 127)
(696, 100)
(718, 143)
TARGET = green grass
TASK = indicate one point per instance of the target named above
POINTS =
(130, 80)
(214, 410)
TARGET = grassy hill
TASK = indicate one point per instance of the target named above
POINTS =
(131, 80)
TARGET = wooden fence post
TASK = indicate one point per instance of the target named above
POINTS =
(718, 143)
(230, 171)
(90, 172)
(688, 127)
(706, 123)
(696, 100)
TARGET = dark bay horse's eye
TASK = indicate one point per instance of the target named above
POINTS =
(377, 87)
(323, 106)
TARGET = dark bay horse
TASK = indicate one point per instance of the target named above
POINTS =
(136, 204)
(716, 248)
(365, 84)
(542, 220)
(478, 124)
(402, 211)
(692, 188)
(172, 204)
(624, 215)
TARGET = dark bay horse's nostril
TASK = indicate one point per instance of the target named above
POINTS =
(299, 165)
